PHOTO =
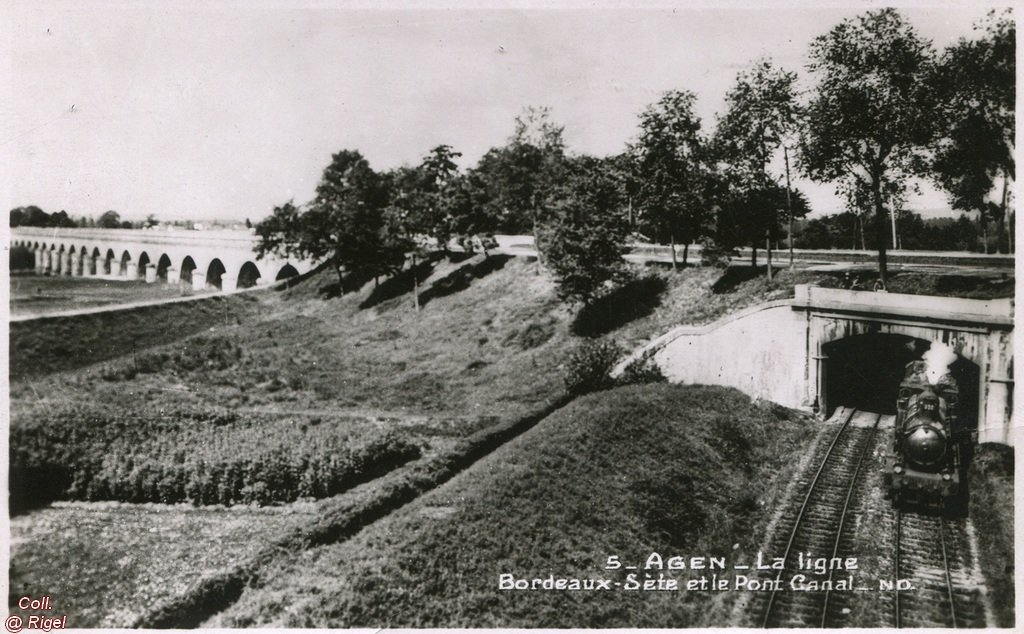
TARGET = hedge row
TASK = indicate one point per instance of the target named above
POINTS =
(197, 457)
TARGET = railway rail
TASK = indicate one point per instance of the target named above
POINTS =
(818, 526)
(930, 553)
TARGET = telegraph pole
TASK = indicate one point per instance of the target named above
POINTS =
(789, 206)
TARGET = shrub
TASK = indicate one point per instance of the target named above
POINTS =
(196, 354)
(590, 366)
(642, 370)
(713, 254)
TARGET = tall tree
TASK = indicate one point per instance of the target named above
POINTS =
(872, 113)
(521, 175)
(759, 117)
(437, 181)
(583, 237)
(669, 159)
(343, 224)
(976, 81)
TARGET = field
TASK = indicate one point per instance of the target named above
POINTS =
(337, 410)
(39, 294)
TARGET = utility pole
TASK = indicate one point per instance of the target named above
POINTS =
(892, 214)
(789, 206)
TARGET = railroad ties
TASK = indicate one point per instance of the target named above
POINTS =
(930, 552)
(817, 526)
(837, 496)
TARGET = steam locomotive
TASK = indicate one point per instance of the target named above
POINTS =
(925, 465)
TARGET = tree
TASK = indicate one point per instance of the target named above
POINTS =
(583, 238)
(741, 217)
(437, 177)
(872, 114)
(760, 114)
(343, 224)
(30, 216)
(408, 220)
(471, 220)
(669, 158)
(976, 81)
(520, 176)
(61, 219)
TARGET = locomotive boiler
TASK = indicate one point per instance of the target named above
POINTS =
(925, 464)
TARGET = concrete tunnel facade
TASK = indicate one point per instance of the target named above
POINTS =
(779, 350)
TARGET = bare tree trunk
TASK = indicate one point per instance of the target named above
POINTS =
(341, 278)
(1002, 217)
(753, 255)
(880, 231)
(672, 238)
(686, 250)
(984, 231)
(768, 239)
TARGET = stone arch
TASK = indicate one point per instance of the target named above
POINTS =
(143, 263)
(285, 272)
(126, 262)
(214, 271)
(59, 266)
(81, 264)
(108, 262)
(187, 266)
(248, 275)
(162, 265)
(93, 263)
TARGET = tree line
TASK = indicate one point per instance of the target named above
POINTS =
(884, 109)
(33, 216)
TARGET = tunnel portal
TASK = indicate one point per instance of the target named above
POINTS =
(865, 371)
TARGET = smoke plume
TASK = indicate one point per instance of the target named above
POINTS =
(938, 357)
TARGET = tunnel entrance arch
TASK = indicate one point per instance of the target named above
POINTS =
(864, 371)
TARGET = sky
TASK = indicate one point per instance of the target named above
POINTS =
(190, 110)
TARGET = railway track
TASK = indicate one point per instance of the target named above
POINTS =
(819, 525)
(930, 553)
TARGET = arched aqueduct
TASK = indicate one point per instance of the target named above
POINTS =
(204, 259)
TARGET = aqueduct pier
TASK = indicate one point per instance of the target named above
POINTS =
(830, 347)
(203, 259)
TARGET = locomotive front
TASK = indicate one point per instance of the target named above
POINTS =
(925, 464)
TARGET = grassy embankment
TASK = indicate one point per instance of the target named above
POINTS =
(991, 477)
(455, 379)
(678, 470)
